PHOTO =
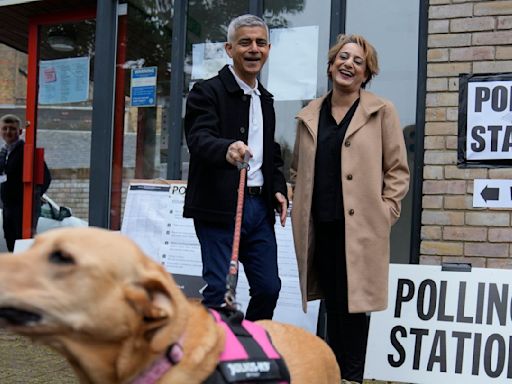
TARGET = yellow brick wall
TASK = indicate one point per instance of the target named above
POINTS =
(463, 37)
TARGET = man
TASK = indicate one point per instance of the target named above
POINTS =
(226, 117)
(11, 173)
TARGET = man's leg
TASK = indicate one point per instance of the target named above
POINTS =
(216, 242)
(12, 224)
(258, 253)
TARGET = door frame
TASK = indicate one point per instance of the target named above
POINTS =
(29, 158)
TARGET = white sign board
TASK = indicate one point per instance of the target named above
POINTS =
(489, 120)
(153, 218)
(492, 193)
(443, 327)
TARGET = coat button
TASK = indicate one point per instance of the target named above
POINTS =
(349, 177)
(347, 143)
(244, 98)
(351, 212)
(242, 130)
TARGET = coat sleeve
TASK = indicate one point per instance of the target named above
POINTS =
(202, 127)
(279, 182)
(394, 160)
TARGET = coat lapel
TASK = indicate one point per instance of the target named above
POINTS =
(368, 105)
(310, 115)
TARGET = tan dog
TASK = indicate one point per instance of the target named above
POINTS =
(111, 311)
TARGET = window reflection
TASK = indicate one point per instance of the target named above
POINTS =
(301, 16)
(398, 59)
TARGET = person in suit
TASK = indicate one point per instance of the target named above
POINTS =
(11, 173)
(227, 117)
(349, 171)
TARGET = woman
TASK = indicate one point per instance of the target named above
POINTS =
(349, 172)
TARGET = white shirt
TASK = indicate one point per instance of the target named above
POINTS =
(255, 140)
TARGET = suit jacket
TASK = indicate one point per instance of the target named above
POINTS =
(11, 191)
(217, 114)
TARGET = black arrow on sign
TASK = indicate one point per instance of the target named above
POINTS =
(490, 193)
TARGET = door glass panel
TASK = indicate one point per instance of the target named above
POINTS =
(64, 116)
(207, 26)
(392, 27)
(295, 73)
(140, 134)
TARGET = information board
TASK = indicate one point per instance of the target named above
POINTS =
(153, 218)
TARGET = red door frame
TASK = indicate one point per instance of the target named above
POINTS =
(29, 168)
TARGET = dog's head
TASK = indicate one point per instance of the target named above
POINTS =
(91, 291)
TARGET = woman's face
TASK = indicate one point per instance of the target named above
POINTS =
(348, 71)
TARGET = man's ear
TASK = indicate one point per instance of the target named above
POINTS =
(229, 49)
(162, 311)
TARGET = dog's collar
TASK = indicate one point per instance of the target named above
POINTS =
(172, 356)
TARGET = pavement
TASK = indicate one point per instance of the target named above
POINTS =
(22, 362)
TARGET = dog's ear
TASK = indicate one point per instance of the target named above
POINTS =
(157, 303)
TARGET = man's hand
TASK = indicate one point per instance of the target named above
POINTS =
(282, 208)
(236, 152)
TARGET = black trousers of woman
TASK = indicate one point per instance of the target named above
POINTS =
(347, 333)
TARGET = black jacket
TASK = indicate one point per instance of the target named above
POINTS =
(217, 115)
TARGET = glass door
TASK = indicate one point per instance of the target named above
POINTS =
(59, 120)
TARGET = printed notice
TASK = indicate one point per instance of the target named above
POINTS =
(64, 81)
(153, 218)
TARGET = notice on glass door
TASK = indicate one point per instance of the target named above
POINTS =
(293, 79)
(64, 81)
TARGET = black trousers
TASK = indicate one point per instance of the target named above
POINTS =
(347, 333)
(12, 220)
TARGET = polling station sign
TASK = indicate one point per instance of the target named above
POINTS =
(443, 327)
(485, 120)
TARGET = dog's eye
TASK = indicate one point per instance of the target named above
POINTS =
(58, 257)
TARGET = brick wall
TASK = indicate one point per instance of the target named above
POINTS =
(70, 188)
(463, 37)
(13, 79)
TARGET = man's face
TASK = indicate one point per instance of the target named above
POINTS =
(249, 52)
(10, 132)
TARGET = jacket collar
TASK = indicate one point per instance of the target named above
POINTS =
(369, 103)
(232, 86)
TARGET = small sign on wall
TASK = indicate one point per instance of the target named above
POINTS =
(492, 193)
(485, 120)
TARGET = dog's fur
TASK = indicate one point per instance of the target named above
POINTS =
(111, 311)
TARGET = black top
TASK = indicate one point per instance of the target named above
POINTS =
(327, 192)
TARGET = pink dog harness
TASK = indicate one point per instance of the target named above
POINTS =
(249, 356)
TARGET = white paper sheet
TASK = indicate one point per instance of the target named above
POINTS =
(293, 63)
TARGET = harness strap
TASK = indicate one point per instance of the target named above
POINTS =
(249, 355)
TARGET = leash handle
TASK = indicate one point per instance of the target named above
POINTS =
(232, 278)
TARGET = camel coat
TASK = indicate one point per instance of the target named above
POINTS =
(375, 178)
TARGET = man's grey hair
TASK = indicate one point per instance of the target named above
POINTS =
(245, 21)
(10, 119)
